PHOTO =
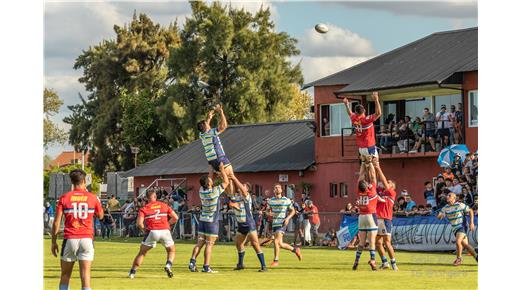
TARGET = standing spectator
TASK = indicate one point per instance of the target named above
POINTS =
(129, 222)
(298, 222)
(306, 225)
(107, 224)
(402, 203)
(409, 202)
(451, 116)
(459, 124)
(314, 220)
(48, 216)
(113, 204)
(443, 126)
(456, 165)
(429, 194)
(428, 122)
(349, 209)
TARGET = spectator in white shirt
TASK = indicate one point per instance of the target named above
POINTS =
(444, 124)
(453, 185)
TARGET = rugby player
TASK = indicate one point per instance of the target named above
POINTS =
(364, 128)
(212, 146)
(277, 208)
(246, 225)
(384, 211)
(367, 221)
(208, 221)
(158, 217)
(78, 207)
(456, 212)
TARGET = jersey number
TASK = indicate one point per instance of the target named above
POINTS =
(157, 212)
(80, 210)
(363, 200)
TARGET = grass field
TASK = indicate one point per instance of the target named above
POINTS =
(321, 268)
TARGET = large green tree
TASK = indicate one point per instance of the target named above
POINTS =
(51, 106)
(124, 78)
(237, 54)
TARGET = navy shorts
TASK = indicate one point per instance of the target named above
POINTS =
(460, 230)
(209, 229)
(429, 133)
(215, 163)
(281, 229)
(384, 227)
(247, 227)
(443, 132)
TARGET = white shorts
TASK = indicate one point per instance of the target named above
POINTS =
(77, 249)
(384, 227)
(368, 151)
(367, 222)
(163, 236)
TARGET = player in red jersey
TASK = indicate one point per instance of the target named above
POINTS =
(364, 129)
(367, 221)
(157, 217)
(78, 207)
(384, 212)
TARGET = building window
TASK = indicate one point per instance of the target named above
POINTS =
(473, 108)
(333, 119)
(333, 187)
(448, 100)
(258, 189)
(343, 190)
(415, 107)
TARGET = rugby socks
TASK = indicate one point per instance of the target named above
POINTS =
(372, 254)
(261, 258)
(241, 257)
(384, 260)
(205, 267)
(392, 261)
(193, 261)
(358, 255)
(168, 264)
(64, 287)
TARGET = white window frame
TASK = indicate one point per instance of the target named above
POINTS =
(470, 125)
(321, 118)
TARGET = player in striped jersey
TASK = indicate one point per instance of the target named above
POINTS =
(213, 149)
(384, 212)
(158, 217)
(367, 221)
(208, 221)
(456, 212)
(78, 207)
(246, 224)
(277, 208)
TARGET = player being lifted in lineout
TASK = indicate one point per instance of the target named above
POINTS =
(364, 128)
(213, 147)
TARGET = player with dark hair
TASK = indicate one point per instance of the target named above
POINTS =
(364, 129)
(212, 146)
(246, 225)
(209, 194)
(78, 207)
(158, 217)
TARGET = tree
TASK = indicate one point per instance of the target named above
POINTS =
(96, 179)
(51, 133)
(298, 107)
(121, 75)
(237, 54)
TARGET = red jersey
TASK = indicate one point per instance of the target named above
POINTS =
(364, 128)
(367, 201)
(78, 207)
(156, 215)
(385, 209)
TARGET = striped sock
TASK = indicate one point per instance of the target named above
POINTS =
(384, 260)
(358, 255)
(168, 264)
(193, 261)
(241, 257)
(372, 254)
(392, 261)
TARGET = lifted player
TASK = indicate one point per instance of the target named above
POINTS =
(455, 213)
(246, 225)
(278, 207)
(208, 221)
(156, 215)
(212, 146)
(367, 221)
(384, 212)
(79, 208)
(364, 128)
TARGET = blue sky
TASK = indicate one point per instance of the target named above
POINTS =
(358, 31)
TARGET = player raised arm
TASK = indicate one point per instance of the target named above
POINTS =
(209, 116)
(375, 97)
(241, 187)
(346, 102)
(222, 124)
(382, 177)
(361, 173)
(371, 173)
(54, 231)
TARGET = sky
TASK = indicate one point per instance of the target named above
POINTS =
(358, 31)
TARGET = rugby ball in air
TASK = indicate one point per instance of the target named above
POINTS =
(321, 28)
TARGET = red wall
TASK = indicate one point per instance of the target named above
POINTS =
(470, 82)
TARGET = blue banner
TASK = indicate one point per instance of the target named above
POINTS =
(417, 233)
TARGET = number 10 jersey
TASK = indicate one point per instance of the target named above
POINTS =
(78, 207)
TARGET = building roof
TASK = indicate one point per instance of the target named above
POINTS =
(429, 60)
(250, 148)
(67, 158)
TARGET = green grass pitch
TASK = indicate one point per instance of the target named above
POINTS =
(321, 268)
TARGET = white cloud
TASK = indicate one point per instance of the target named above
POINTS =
(337, 42)
(315, 68)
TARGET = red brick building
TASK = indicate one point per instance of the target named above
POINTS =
(66, 158)
(441, 68)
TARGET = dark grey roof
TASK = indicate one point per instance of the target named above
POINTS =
(250, 148)
(429, 60)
